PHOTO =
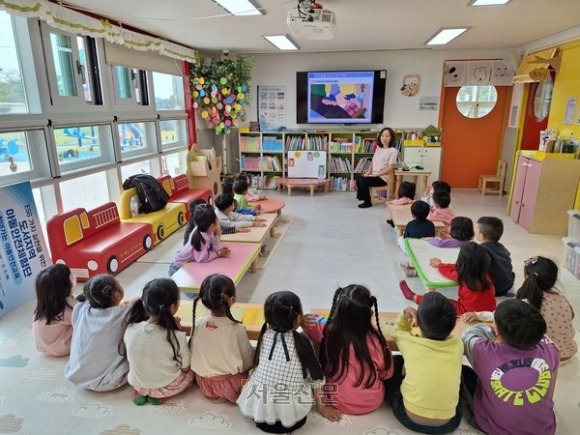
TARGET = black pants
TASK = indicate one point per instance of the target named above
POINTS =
(363, 185)
(395, 399)
(279, 428)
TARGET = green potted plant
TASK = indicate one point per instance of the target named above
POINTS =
(432, 134)
(220, 89)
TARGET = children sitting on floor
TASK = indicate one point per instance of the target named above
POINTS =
(203, 243)
(442, 212)
(471, 271)
(420, 226)
(489, 231)
(95, 363)
(225, 212)
(252, 195)
(405, 195)
(514, 372)
(221, 353)
(244, 207)
(156, 348)
(436, 185)
(52, 327)
(424, 390)
(355, 356)
(224, 228)
(461, 231)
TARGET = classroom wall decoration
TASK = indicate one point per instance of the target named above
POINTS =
(476, 72)
(220, 90)
(410, 86)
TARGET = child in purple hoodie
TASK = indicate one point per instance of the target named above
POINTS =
(515, 367)
(461, 230)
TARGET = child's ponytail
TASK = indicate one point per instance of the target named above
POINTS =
(204, 217)
(195, 301)
(541, 275)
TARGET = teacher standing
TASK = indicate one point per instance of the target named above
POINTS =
(383, 164)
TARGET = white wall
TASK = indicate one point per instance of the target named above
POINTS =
(400, 111)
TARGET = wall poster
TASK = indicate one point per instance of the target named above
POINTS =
(23, 251)
(271, 108)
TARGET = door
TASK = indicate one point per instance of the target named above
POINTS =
(472, 146)
(530, 193)
(519, 185)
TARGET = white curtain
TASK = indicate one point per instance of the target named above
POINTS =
(75, 22)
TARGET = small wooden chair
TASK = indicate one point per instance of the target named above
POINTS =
(497, 178)
(377, 194)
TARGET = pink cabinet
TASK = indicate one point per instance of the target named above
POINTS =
(525, 189)
(543, 192)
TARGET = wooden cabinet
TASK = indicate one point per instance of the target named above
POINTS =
(544, 190)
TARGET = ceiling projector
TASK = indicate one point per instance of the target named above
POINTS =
(312, 23)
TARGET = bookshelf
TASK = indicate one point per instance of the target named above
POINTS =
(263, 155)
(262, 158)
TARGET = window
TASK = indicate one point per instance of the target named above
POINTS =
(173, 164)
(80, 147)
(476, 101)
(73, 70)
(89, 191)
(173, 133)
(18, 88)
(23, 156)
(131, 86)
(137, 138)
(169, 93)
(143, 167)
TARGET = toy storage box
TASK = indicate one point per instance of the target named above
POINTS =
(571, 257)
(574, 226)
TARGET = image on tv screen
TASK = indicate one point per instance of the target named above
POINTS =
(340, 97)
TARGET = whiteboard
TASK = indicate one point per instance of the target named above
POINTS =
(306, 164)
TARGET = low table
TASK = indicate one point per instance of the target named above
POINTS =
(251, 316)
(421, 252)
(256, 234)
(270, 205)
(242, 257)
(307, 183)
(416, 173)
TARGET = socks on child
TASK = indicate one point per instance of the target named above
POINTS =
(409, 270)
(406, 290)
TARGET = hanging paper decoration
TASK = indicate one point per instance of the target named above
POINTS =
(220, 91)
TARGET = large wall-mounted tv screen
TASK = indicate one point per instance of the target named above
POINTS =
(340, 97)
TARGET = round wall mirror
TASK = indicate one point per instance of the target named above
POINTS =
(543, 98)
(476, 101)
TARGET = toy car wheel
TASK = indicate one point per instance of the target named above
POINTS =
(112, 265)
(161, 233)
(147, 242)
(181, 218)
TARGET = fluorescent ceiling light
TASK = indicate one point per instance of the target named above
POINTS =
(239, 7)
(445, 35)
(282, 42)
(487, 2)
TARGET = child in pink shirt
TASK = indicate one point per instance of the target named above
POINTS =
(405, 194)
(52, 328)
(203, 244)
(357, 387)
(442, 212)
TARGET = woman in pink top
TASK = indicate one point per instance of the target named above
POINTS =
(52, 327)
(383, 163)
(354, 354)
